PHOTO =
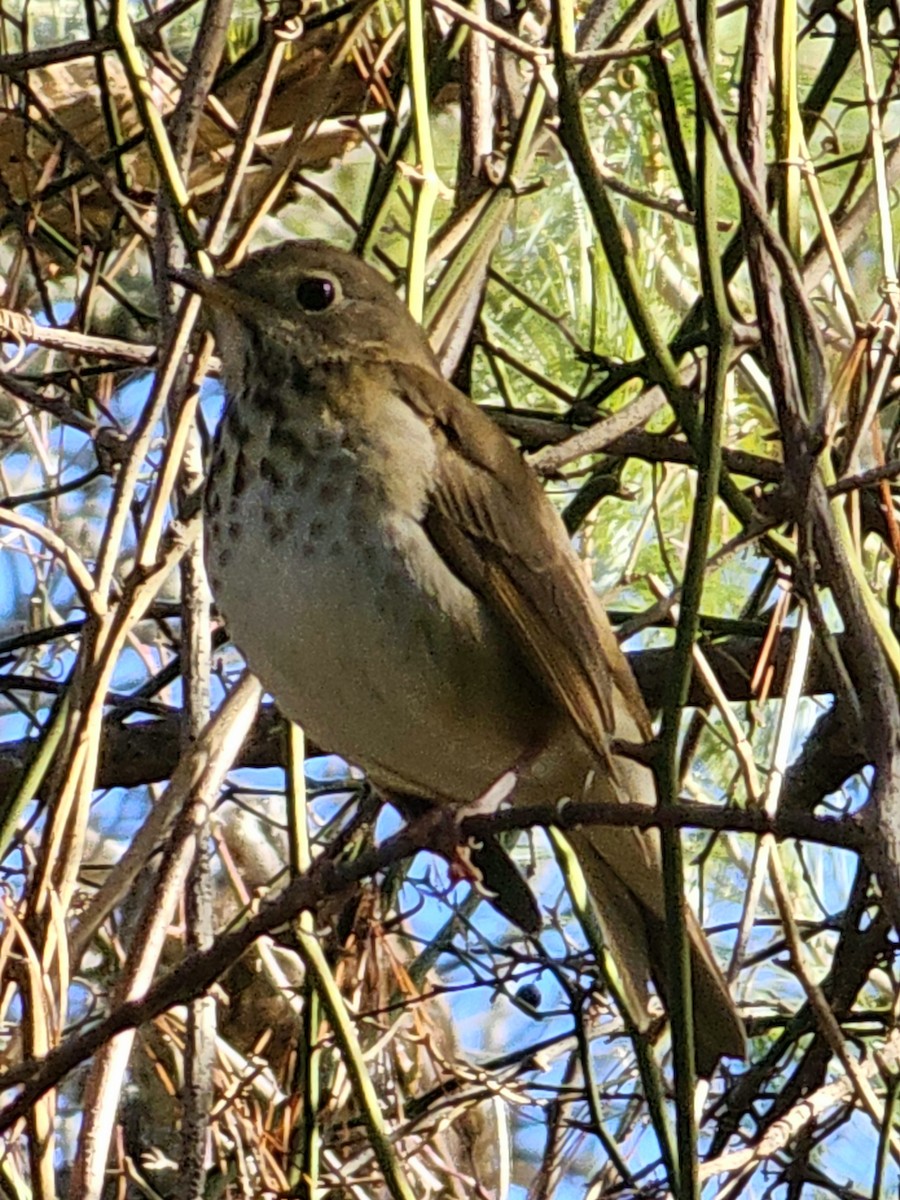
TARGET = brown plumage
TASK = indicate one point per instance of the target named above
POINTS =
(396, 577)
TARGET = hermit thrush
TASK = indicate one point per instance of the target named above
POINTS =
(394, 574)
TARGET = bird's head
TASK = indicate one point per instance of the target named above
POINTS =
(313, 299)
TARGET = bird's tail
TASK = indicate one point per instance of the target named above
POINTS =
(623, 871)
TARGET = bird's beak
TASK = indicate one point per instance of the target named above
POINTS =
(192, 280)
(210, 290)
(219, 296)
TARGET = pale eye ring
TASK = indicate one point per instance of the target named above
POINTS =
(316, 293)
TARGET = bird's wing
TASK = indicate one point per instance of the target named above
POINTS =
(492, 523)
(494, 526)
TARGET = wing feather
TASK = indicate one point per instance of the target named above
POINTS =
(493, 525)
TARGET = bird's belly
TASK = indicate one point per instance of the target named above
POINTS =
(414, 682)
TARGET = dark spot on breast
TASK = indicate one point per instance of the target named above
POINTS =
(241, 474)
(299, 377)
(286, 439)
(329, 490)
(234, 529)
(272, 474)
(236, 427)
(276, 524)
(271, 400)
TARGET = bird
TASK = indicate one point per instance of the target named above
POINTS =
(394, 573)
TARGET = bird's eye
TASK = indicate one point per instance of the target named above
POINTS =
(316, 293)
